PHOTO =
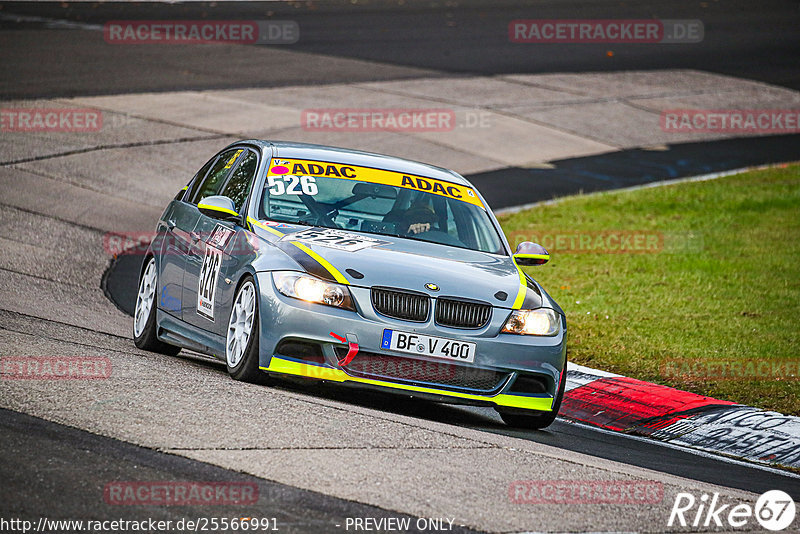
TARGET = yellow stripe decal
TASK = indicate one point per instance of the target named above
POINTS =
(216, 208)
(264, 226)
(339, 277)
(523, 288)
(323, 169)
(279, 365)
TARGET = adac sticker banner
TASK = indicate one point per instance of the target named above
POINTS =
(323, 169)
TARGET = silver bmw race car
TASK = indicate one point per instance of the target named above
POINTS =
(356, 268)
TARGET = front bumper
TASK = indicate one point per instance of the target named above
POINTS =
(509, 356)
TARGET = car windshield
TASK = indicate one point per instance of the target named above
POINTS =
(379, 209)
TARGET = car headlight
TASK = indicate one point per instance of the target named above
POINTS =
(304, 287)
(539, 322)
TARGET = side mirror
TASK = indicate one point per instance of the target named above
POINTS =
(531, 254)
(218, 207)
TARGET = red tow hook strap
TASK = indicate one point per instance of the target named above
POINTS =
(351, 353)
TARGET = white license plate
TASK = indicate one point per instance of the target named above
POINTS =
(437, 347)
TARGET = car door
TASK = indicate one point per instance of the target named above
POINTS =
(205, 252)
(178, 223)
(237, 250)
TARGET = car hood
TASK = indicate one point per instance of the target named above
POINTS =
(411, 264)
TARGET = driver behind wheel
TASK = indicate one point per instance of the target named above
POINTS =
(418, 218)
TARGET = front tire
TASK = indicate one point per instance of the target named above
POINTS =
(537, 421)
(241, 342)
(144, 315)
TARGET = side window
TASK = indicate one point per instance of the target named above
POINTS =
(216, 177)
(242, 177)
(198, 179)
(464, 224)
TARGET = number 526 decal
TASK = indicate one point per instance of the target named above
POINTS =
(292, 185)
(207, 285)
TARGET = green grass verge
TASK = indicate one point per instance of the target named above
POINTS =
(721, 287)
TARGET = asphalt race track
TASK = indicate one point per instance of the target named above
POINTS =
(321, 455)
(85, 462)
(397, 40)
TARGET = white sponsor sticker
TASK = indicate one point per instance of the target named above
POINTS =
(207, 283)
(219, 236)
(332, 238)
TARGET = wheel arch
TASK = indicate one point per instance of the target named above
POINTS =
(149, 254)
(241, 280)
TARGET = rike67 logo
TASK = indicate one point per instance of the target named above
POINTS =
(774, 510)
